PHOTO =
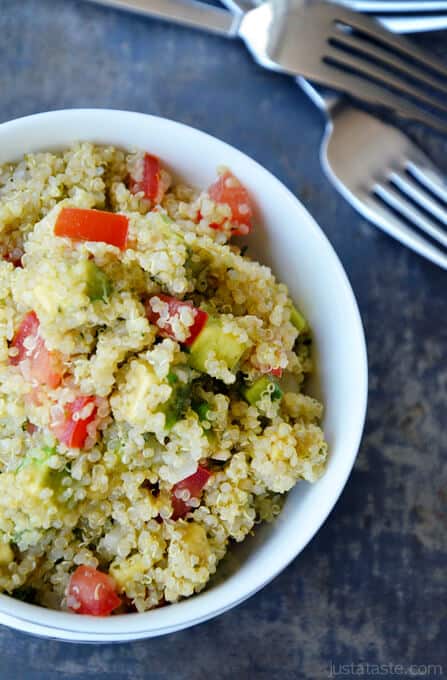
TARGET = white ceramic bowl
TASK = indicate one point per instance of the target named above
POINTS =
(289, 240)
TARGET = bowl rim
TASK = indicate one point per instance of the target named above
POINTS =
(199, 608)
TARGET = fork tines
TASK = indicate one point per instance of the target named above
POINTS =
(416, 195)
(362, 49)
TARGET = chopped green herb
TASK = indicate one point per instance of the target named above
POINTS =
(202, 409)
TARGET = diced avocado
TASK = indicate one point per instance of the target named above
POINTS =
(141, 381)
(98, 284)
(164, 225)
(131, 569)
(6, 554)
(47, 298)
(214, 339)
(254, 392)
(34, 490)
(178, 402)
(298, 320)
(135, 399)
(194, 539)
(34, 474)
(34, 478)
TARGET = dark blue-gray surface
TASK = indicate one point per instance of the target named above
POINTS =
(371, 586)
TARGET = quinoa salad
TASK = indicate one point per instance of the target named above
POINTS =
(152, 375)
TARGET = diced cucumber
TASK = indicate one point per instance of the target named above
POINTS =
(257, 390)
(214, 339)
(36, 477)
(298, 320)
(98, 284)
(133, 568)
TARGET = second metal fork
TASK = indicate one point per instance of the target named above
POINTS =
(334, 46)
(384, 176)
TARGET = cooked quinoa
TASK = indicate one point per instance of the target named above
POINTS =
(151, 394)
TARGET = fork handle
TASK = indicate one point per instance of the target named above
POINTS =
(203, 16)
(186, 12)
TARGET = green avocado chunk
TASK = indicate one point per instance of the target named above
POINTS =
(254, 392)
(298, 320)
(98, 284)
(214, 339)
(35, 474)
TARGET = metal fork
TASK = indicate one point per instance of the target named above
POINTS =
(331, 45)
(384, 176)
(201, 15)
(374, 166)
(328, 44)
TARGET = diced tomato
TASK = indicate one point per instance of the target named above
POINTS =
(70, 428)
(29, 328)
(31, 428)
(227, 189)
(174, 308)
(277, 372)
(194, 484)
(93, 225)
(151, 183)
(92, 592)
(35, 360)
(15, 257)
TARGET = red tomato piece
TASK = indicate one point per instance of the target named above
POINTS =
(15, 257)
(31, 428)
(93, 225)
(27, 329)
(174, 308)
(277, 372)
(227, 189)
(194, 485)
(70, 428)
(35, 360)
(92, 592)
(151, 183)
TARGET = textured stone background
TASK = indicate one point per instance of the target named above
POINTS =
(371, 586)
